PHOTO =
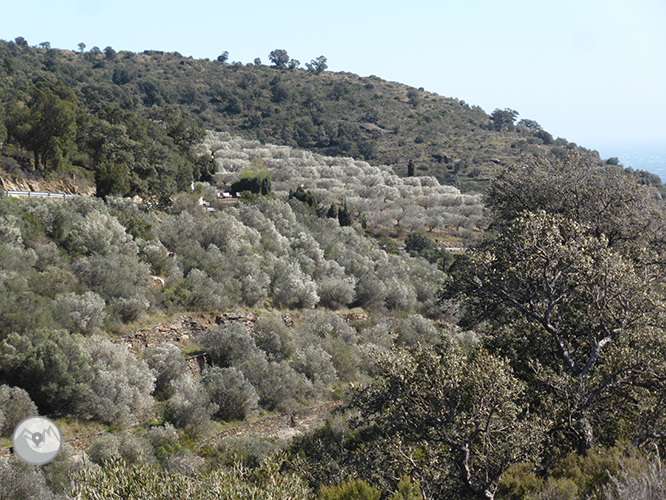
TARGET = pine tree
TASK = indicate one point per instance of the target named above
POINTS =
(344, 217)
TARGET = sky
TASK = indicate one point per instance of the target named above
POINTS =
(591, 71)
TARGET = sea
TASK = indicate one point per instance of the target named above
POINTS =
(650, 157)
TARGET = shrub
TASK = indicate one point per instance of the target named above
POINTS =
(20, 481)
(79, 313)
(273, 337)
(53, 366)
(104, 449)
(164, 441)
(96, 234)
(167, 364)
(354, 489)
(228, 388)
(295, 289)
(15, 406)
(121, 385)
(119, 480)
(407, 490)
(336, 292)
(650, 484)
(58, 471)
(190, 407)
(278, 384)
(226, 344)
(128, 447)
(316, 364)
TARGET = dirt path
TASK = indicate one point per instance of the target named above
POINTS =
(280, 426)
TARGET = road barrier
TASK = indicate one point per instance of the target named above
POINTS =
(36, 194)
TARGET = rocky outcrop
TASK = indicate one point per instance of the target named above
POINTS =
(64, 186)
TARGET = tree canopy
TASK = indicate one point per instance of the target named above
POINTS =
(570, 289)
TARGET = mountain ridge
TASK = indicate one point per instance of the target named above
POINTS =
(335, 114)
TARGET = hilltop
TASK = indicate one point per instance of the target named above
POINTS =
(335, 114)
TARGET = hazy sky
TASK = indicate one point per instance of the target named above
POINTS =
(592, 71)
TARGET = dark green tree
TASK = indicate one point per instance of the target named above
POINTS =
(332, 212)
(47, 127)
(344, 216)
(317, 65)
(110, 53)
(279, 58)
(410, 168)
(223, 57)
(503, 119)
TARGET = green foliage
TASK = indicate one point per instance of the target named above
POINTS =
(518, 482)
(118, 479)
(450, 407)
(19, 480)
(167, 364)
(344, 216)
(256, 180)
(354, 489)
(334, 113)
(228, 388)
(279, 58)
(308, 198)
(15, 406)
(190, 407)
(53, 367)
(407, 490)
(421, 245)
(47, 127)
(570, 290)
(592, 473)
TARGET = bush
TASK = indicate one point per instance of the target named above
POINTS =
(316, 364)
(20, 481)
(354, 489)
(121, 385)
(251, 451)
(15, 406)
(407, 490)
(228, 388)
(273, 336)
(225, 344)
(79, 313)
(128, 447)
(204, 293)
(119, 480)
(278, 384)
(113, 277)
(164, 441)
(295, 289)
(58, 471)
(53, 366)
(167, 364)
(104, 449)
(190, 407)
(649, 484)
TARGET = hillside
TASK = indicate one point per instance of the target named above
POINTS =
(336, 114)
(268, 248)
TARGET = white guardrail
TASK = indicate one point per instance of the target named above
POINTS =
(36, 194)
